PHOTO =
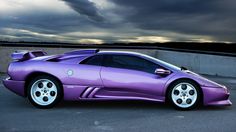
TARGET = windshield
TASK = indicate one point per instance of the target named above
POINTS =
(162, 63)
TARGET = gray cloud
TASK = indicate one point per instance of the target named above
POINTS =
(86, 8)
(212, 17)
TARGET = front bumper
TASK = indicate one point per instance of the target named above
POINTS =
(15, 86)
(216, 96)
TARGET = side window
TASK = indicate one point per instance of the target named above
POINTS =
(94, 60)
(130, 62)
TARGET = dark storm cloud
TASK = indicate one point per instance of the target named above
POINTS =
(215, 18)
(115, 20)
(41, 25)
(36, 26)
(86, 8)
(46, 23)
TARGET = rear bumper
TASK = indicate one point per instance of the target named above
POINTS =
(15, 86)
(216, 96)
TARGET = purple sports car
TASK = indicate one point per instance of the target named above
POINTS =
(108, 75)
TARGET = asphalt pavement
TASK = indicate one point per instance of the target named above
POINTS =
(18, 115)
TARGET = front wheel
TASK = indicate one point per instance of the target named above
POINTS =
(184, 95)
(44, 91)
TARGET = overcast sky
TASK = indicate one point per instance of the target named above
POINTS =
(100, 21)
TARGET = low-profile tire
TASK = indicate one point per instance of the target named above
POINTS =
(184, 95)
(44, 91)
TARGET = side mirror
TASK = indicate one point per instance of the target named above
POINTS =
(160, 71)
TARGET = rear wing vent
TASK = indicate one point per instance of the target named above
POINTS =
(80, 52)
(22, 55)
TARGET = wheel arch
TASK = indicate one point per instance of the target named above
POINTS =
(184, 79)
(35, 74)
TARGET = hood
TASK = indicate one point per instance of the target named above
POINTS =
(201, 80)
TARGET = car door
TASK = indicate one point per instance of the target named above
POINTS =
(127, 76)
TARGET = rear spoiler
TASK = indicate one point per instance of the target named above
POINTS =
(22, 55)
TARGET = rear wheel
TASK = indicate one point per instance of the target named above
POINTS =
(184, 95)
(44, 91)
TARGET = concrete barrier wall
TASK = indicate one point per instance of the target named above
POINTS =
(200, 63)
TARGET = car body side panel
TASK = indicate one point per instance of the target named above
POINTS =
(81, 74)
(73, 75)
(130, 83)
(73, 92)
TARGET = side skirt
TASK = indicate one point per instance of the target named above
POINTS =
(72, 92)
